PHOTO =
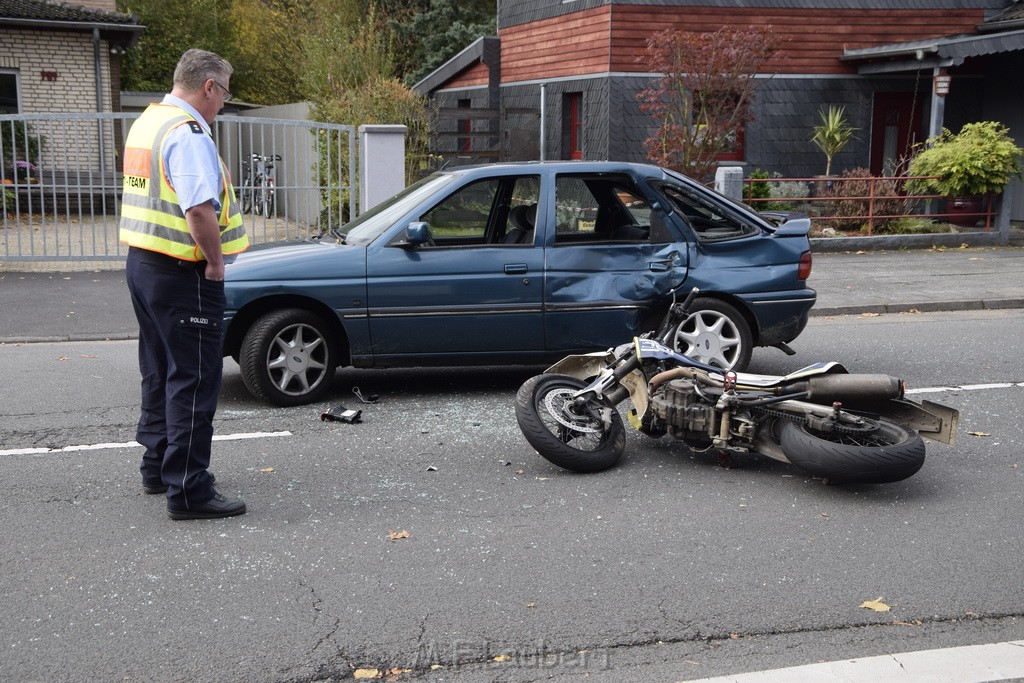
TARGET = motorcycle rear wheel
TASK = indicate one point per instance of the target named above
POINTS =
(884, 453)
(564, 435)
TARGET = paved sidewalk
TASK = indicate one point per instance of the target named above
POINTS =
(54, 306)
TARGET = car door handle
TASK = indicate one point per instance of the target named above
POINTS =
(515, 268)
(660, 266)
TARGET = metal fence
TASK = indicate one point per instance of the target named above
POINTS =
(869, 205)
(61, 180)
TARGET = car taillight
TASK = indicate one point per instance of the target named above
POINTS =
(803, 271)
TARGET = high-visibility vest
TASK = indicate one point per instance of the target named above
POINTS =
(151, 217)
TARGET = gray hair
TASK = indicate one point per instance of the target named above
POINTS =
(197, 66)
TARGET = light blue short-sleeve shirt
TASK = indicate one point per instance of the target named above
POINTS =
(191, 161)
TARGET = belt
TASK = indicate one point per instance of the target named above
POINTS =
(163, 259)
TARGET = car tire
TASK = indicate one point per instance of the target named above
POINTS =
(715, 333)
(288, 358)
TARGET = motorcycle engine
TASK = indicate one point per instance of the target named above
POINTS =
(684, 414)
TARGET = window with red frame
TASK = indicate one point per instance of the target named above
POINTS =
(736, 152)
(572, 125)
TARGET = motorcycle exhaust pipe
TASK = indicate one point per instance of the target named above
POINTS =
(853, 388)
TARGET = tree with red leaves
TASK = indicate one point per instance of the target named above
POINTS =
(704, 94)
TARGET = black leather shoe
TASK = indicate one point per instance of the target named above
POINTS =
(153, 489)
(217, 507)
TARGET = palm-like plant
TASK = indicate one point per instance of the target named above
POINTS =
(832, 134)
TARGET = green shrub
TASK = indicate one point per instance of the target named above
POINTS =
(757, 189)
(912, 225)
(980, 159)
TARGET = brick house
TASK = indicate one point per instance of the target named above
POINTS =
(560, 79)
(62, 57)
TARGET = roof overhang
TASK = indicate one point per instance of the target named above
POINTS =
(127, 33)
(484, 49)
(942, 52)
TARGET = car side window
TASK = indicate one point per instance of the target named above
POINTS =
(709, 221)
(463, 217)
(520, 220)
(600, 208)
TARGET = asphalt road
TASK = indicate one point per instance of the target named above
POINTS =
(666, 568)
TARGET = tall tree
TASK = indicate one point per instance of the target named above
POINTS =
(438, 31)
(703, 95)
(172, 26)
(263, 49)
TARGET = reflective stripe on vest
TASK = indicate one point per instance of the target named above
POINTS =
(151, 217)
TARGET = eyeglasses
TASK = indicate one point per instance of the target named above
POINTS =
(227, 93)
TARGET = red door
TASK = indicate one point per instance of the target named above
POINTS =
(895, 129)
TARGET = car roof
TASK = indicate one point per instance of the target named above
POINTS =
(557, 167)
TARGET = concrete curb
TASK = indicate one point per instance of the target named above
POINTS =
(923, 307)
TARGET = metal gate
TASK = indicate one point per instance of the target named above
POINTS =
(61, 181)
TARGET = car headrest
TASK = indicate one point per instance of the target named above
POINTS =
(523, 216)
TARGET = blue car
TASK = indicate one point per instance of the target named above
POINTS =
(516, 264)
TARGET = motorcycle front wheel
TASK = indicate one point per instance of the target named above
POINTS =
(571, 434)
(880, 453)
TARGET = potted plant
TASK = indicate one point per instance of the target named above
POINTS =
(967, 166)
(832, 134)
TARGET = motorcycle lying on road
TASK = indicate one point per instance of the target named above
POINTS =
(842, 427)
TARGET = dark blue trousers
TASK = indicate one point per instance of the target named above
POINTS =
(181, 316)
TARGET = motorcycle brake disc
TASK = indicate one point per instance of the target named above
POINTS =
(556, 402)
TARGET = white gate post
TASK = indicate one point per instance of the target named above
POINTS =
(729, 181)
(381, 163)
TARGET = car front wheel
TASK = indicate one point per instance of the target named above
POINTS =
(287, 357)
(715, 333)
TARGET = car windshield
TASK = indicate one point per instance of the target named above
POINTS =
(366, 227)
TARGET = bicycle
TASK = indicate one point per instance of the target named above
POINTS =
(258, 192)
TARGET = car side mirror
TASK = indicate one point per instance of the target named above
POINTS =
(416, 235)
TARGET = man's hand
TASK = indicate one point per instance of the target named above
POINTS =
(202, 224)
(214, 273)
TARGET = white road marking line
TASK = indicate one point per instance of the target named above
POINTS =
(992, 662)
(966, 387)
(134, 444)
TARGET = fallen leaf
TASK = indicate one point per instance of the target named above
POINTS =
(435, 667)
(366, 673)
(734, 636)
(876, 605)
(266, 469)
(870, 315)
(824, 514)
(62, 358)
(979, 433)
(543, 478)
(395, 535)
(84, 356)
(1014, 466)
(520, 471)
(502, 658)
(531, 604)
(915, 622)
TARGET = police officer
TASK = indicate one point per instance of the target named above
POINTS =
(181, 222)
